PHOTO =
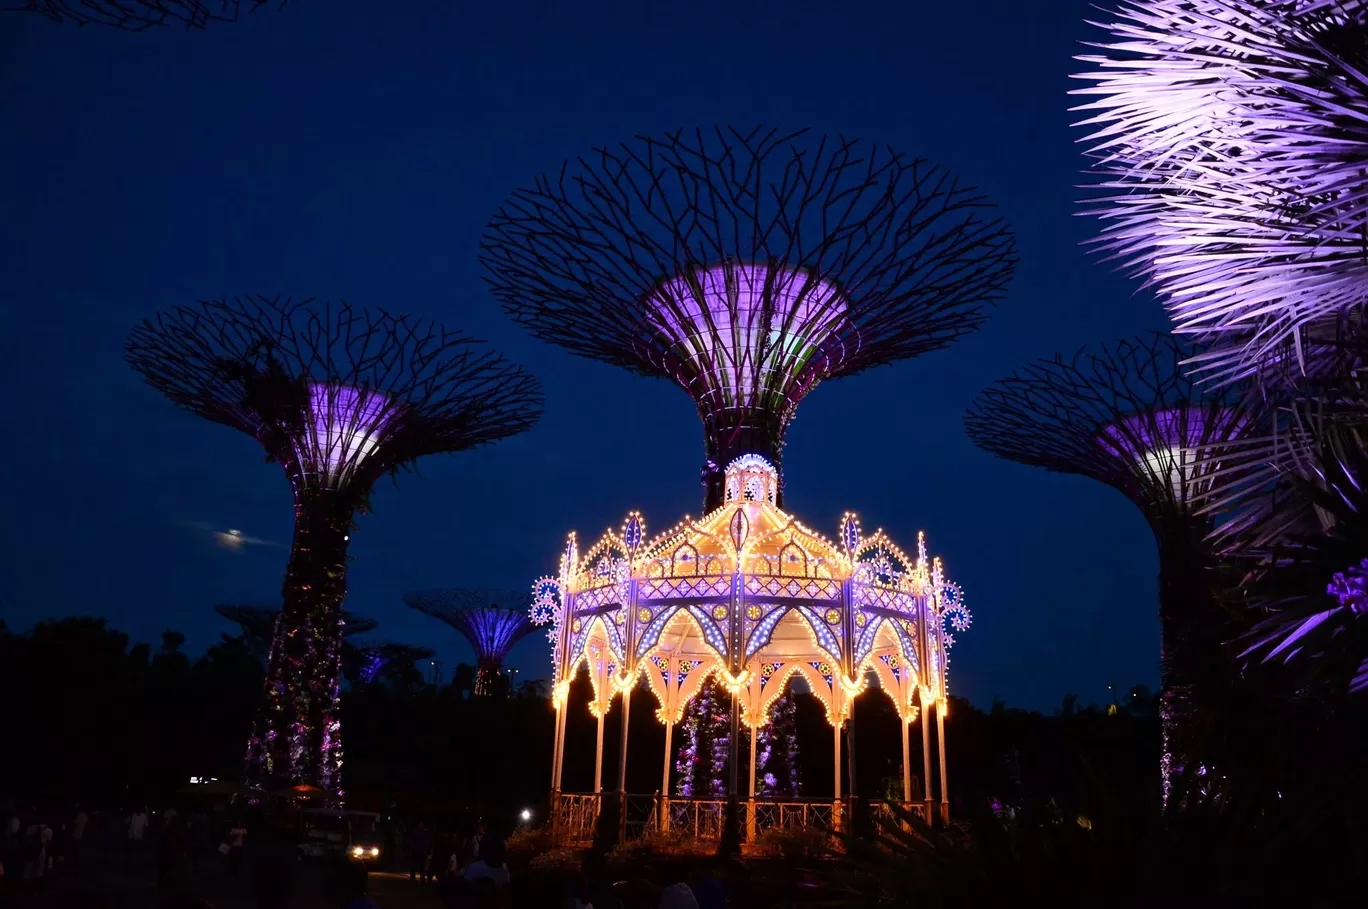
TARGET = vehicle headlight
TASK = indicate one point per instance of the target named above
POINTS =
(375, 850)
(357, 850)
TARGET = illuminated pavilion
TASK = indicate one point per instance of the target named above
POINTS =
(750, 594)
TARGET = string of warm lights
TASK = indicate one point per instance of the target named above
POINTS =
(735, 605)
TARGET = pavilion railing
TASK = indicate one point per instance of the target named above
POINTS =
(575, 817)
(698, 819)
(702, 819)
(884, 811)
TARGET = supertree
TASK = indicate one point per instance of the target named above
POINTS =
(391, 661)
(139, 15)
(493, 621)
(780, 774)
(702, 760)
(338, 397)
(1231, 144)
(747, 267)
(1126, 415)
(258, 624)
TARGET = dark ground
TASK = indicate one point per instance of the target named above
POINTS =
(127, 877)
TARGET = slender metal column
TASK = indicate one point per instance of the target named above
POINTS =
(940, 747)
(926, 756)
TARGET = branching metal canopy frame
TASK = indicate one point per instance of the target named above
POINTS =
(747, 267)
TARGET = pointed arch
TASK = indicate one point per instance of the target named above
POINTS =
(610, 634)
(760, 636)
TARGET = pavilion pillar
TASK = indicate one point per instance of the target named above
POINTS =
(622, 763)
(940, 747)
(622, 749)
(598, 757)
(926, 754)
(907, 761)
(836, 785)
(665, 778)
(558, 754)
(750, 806)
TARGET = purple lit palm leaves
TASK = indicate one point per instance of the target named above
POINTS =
(1299, 531)
(339, 397)
(1232, 141)
(493, 621)
(1126, 415)
(747, 267)
(138, 15)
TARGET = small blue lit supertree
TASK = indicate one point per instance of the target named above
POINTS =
(491, 620)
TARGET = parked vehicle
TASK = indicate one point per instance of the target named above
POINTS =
(351, 835)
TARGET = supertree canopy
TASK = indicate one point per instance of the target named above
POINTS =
(1126, 415)
(747, 267)
(1231, 143)
(391, 661)
(338, 397)
(491, 620)
(138, 15)
(258, 623)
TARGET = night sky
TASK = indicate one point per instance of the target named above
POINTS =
(355, 150)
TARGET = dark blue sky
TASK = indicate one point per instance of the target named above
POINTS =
(355, 150)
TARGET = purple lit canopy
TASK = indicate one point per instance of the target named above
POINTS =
(1173, 443)
(743, 330)
(747, 267)
(338, 395)
(1231, 139)
(493, 621)
(347, 425)
(1123, 414)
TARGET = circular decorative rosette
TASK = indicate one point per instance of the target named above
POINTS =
(953, 609)
(546, 601)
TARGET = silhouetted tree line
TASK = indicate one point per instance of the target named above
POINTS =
(100, 719)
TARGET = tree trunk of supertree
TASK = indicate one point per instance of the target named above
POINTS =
(703, 754)
(755, 432)
(297, 739)
(1195, 669)
(484, 680)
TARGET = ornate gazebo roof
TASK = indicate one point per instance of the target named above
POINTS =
(751, 594)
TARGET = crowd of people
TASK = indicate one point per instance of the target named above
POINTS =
(40, 847)
(465, 862)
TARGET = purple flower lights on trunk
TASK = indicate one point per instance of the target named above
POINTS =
(702, 764)
(338, 397)
(1230, 141)
(492, 621)
(747, 267)
(1350, 588)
